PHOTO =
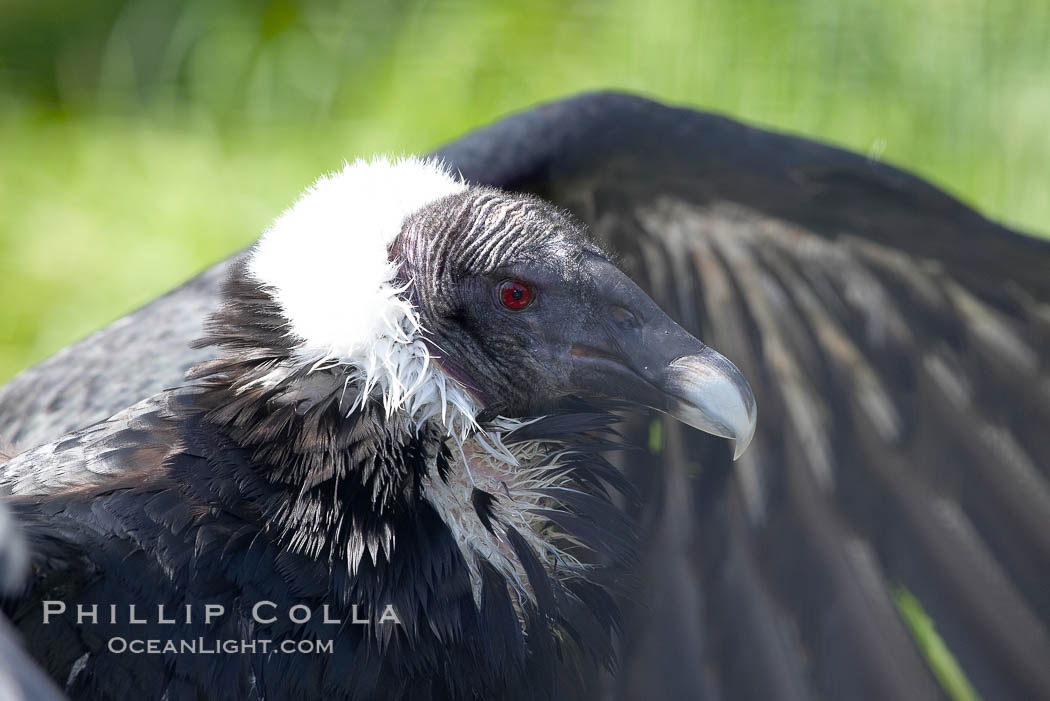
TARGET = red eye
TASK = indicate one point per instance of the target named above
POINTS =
(515, 295)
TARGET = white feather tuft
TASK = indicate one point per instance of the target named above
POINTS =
(326, 259)
(326, 262)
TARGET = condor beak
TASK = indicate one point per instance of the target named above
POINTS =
(713, 396)
(633, 351)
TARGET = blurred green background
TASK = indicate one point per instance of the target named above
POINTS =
(141, 140)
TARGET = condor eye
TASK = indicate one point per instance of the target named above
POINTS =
(515, 295)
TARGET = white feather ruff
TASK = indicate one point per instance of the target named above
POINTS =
(326, 259)
(326, 262)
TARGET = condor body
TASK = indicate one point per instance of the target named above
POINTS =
(405, 417)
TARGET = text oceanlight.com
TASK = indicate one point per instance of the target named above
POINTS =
(201, 646)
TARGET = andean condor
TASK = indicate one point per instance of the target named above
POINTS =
(897, 343)
(387, 454)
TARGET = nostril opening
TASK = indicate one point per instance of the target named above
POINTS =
(624, 317)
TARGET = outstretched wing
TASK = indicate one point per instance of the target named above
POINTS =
(135, 357)
(897, 343)
(899, 348)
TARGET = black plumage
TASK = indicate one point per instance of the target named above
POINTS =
(898, 344)
(226, 493)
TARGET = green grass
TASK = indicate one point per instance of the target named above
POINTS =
(656, 436)
(947, 670)
(142, 139)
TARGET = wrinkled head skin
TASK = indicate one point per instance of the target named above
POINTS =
(457, 252)
(586, 329)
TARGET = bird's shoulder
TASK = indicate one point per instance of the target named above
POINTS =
(137, 438)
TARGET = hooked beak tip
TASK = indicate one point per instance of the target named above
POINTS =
(740, 445)
(713, 396)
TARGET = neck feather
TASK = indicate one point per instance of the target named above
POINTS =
(363, 479)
